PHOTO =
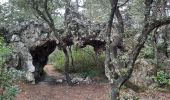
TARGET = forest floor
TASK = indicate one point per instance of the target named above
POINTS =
(92, 91)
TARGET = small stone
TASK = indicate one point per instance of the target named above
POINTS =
(88, 80)
(77, 80)
(59, 81)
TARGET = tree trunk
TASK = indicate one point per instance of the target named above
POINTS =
(155, 48)
(114, 93)
(71, 56)
(66, 67)
(108, 67)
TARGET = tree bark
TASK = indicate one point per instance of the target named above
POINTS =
(155, 48)
(108, 67)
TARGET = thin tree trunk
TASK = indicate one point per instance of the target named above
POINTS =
(108, 67)
(155, 48)
(71, 56)
(108, 36)
(114, 93)
(66, 67)
(166, 38)
(97, 59)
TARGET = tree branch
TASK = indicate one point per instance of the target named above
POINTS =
(40, 13)
(160, 22)
(123, 3)
(48, 14)
(120, 20)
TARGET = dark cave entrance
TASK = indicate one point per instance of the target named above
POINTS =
(40, 55)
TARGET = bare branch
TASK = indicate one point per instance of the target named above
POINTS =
(120, 20)
(123, 3)
(48, 14)
(160, 22)
(39, 12)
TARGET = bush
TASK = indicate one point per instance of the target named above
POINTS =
(9, 93)
(163, 78)
(148, 52)
(85, 61)
(7, 76)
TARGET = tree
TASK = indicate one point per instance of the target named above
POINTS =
(116, 74)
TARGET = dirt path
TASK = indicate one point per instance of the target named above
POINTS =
(62, 91)
(92, 91)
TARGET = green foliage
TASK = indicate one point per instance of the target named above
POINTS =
(57, 59)
(85, 62)
(91, 73)
(9, 93)
(95, 9)
(4, 51)
(163, 78)
(148, 52)
(136, 9)
(7, 77)
(129, 33)
(162, 47)
(11, 14)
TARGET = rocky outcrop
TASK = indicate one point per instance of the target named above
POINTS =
(31, 46)
(143, 73)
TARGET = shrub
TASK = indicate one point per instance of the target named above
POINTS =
(7, 76)
(163, 78)
(9, 93)
(148, 52)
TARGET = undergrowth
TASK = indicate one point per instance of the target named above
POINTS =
(85, 61)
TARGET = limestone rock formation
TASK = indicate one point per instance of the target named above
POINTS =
(33, 41)
(31, 47)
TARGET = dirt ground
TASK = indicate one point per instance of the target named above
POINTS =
(93, 91)
(62, 92)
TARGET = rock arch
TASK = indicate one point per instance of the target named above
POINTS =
(34, 41)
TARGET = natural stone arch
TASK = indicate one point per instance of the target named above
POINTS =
(35, 38)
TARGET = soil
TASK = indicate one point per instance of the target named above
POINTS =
(92, 91)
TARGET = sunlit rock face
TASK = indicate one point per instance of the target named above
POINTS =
(32, 45)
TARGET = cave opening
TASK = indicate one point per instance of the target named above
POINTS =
(40, 55)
